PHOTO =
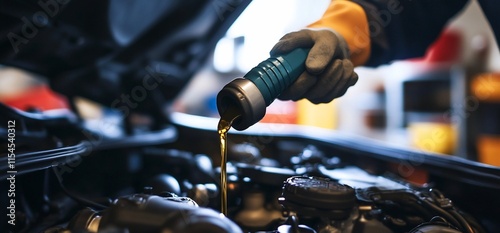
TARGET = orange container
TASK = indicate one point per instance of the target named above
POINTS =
(488, 147)
(486, 88)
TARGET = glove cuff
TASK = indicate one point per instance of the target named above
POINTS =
(348, 19)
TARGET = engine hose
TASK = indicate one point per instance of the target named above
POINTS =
(411, 200)
(426, 213)
(76, 197)
(473, 222)
(462, 220)
(443, 212)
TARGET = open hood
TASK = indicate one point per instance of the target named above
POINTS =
(110, 50)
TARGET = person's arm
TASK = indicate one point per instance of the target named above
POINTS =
(411, 27)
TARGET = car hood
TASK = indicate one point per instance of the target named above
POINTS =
(111, 50)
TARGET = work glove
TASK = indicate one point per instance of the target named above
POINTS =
(329, 72)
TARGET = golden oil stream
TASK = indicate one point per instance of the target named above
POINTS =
(225, 123)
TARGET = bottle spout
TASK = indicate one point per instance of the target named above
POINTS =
(244, 97)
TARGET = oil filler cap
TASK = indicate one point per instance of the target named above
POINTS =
(318, 193)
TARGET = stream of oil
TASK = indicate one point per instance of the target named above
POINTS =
(226, 120)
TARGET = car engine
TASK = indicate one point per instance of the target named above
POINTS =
(148, 183)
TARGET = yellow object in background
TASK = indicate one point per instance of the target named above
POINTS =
(433, 137)
(319, 115)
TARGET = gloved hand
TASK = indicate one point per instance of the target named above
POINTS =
(329, 72)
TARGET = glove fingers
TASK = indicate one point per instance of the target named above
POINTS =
(353, 75)
(326, 83)
(322, 52)
(291, 41)
(296, 91)
(349, 78)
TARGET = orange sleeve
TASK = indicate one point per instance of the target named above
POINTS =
(349, 20)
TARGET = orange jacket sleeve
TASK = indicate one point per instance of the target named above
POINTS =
(349, 20)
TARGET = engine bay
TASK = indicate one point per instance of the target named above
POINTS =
(151, 183)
